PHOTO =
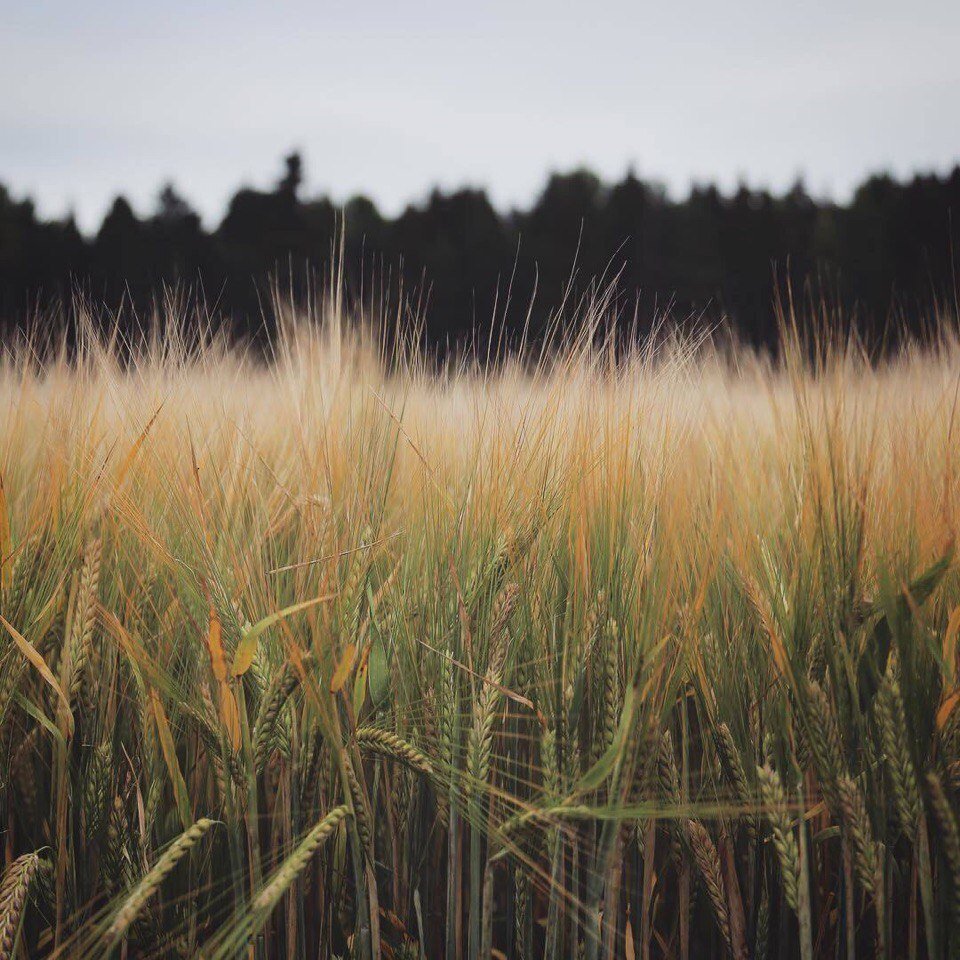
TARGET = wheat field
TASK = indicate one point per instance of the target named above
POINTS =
(579, 653)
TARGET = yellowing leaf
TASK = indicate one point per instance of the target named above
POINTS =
(344, 667)
(946, 708)
(247, 647)
(246, 651)
(170, 758)
(141, 661)
(218, 657)
(33, 655)
(778, 648)
(359, 689)
(230, 715)
(950, 645)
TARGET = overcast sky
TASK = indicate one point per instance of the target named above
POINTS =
(389, 98)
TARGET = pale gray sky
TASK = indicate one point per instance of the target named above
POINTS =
(389, 98)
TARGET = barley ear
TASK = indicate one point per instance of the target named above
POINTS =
(735, 772)
(81, 626)
(152, 880)
(480, 739)
(949, 836)
(290, 869)
(892, 722)
(824, 743)
(388, 744)
(278, 692)
(784, 841)
(669, 780)
(866, 853)
(14, 889)
(360, 808)
(708, 861)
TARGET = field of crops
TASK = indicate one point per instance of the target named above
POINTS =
(597, 656)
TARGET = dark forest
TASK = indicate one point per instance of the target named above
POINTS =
(884, 260)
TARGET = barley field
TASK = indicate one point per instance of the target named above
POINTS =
(579, 653)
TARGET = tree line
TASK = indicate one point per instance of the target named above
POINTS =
(886, 257)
